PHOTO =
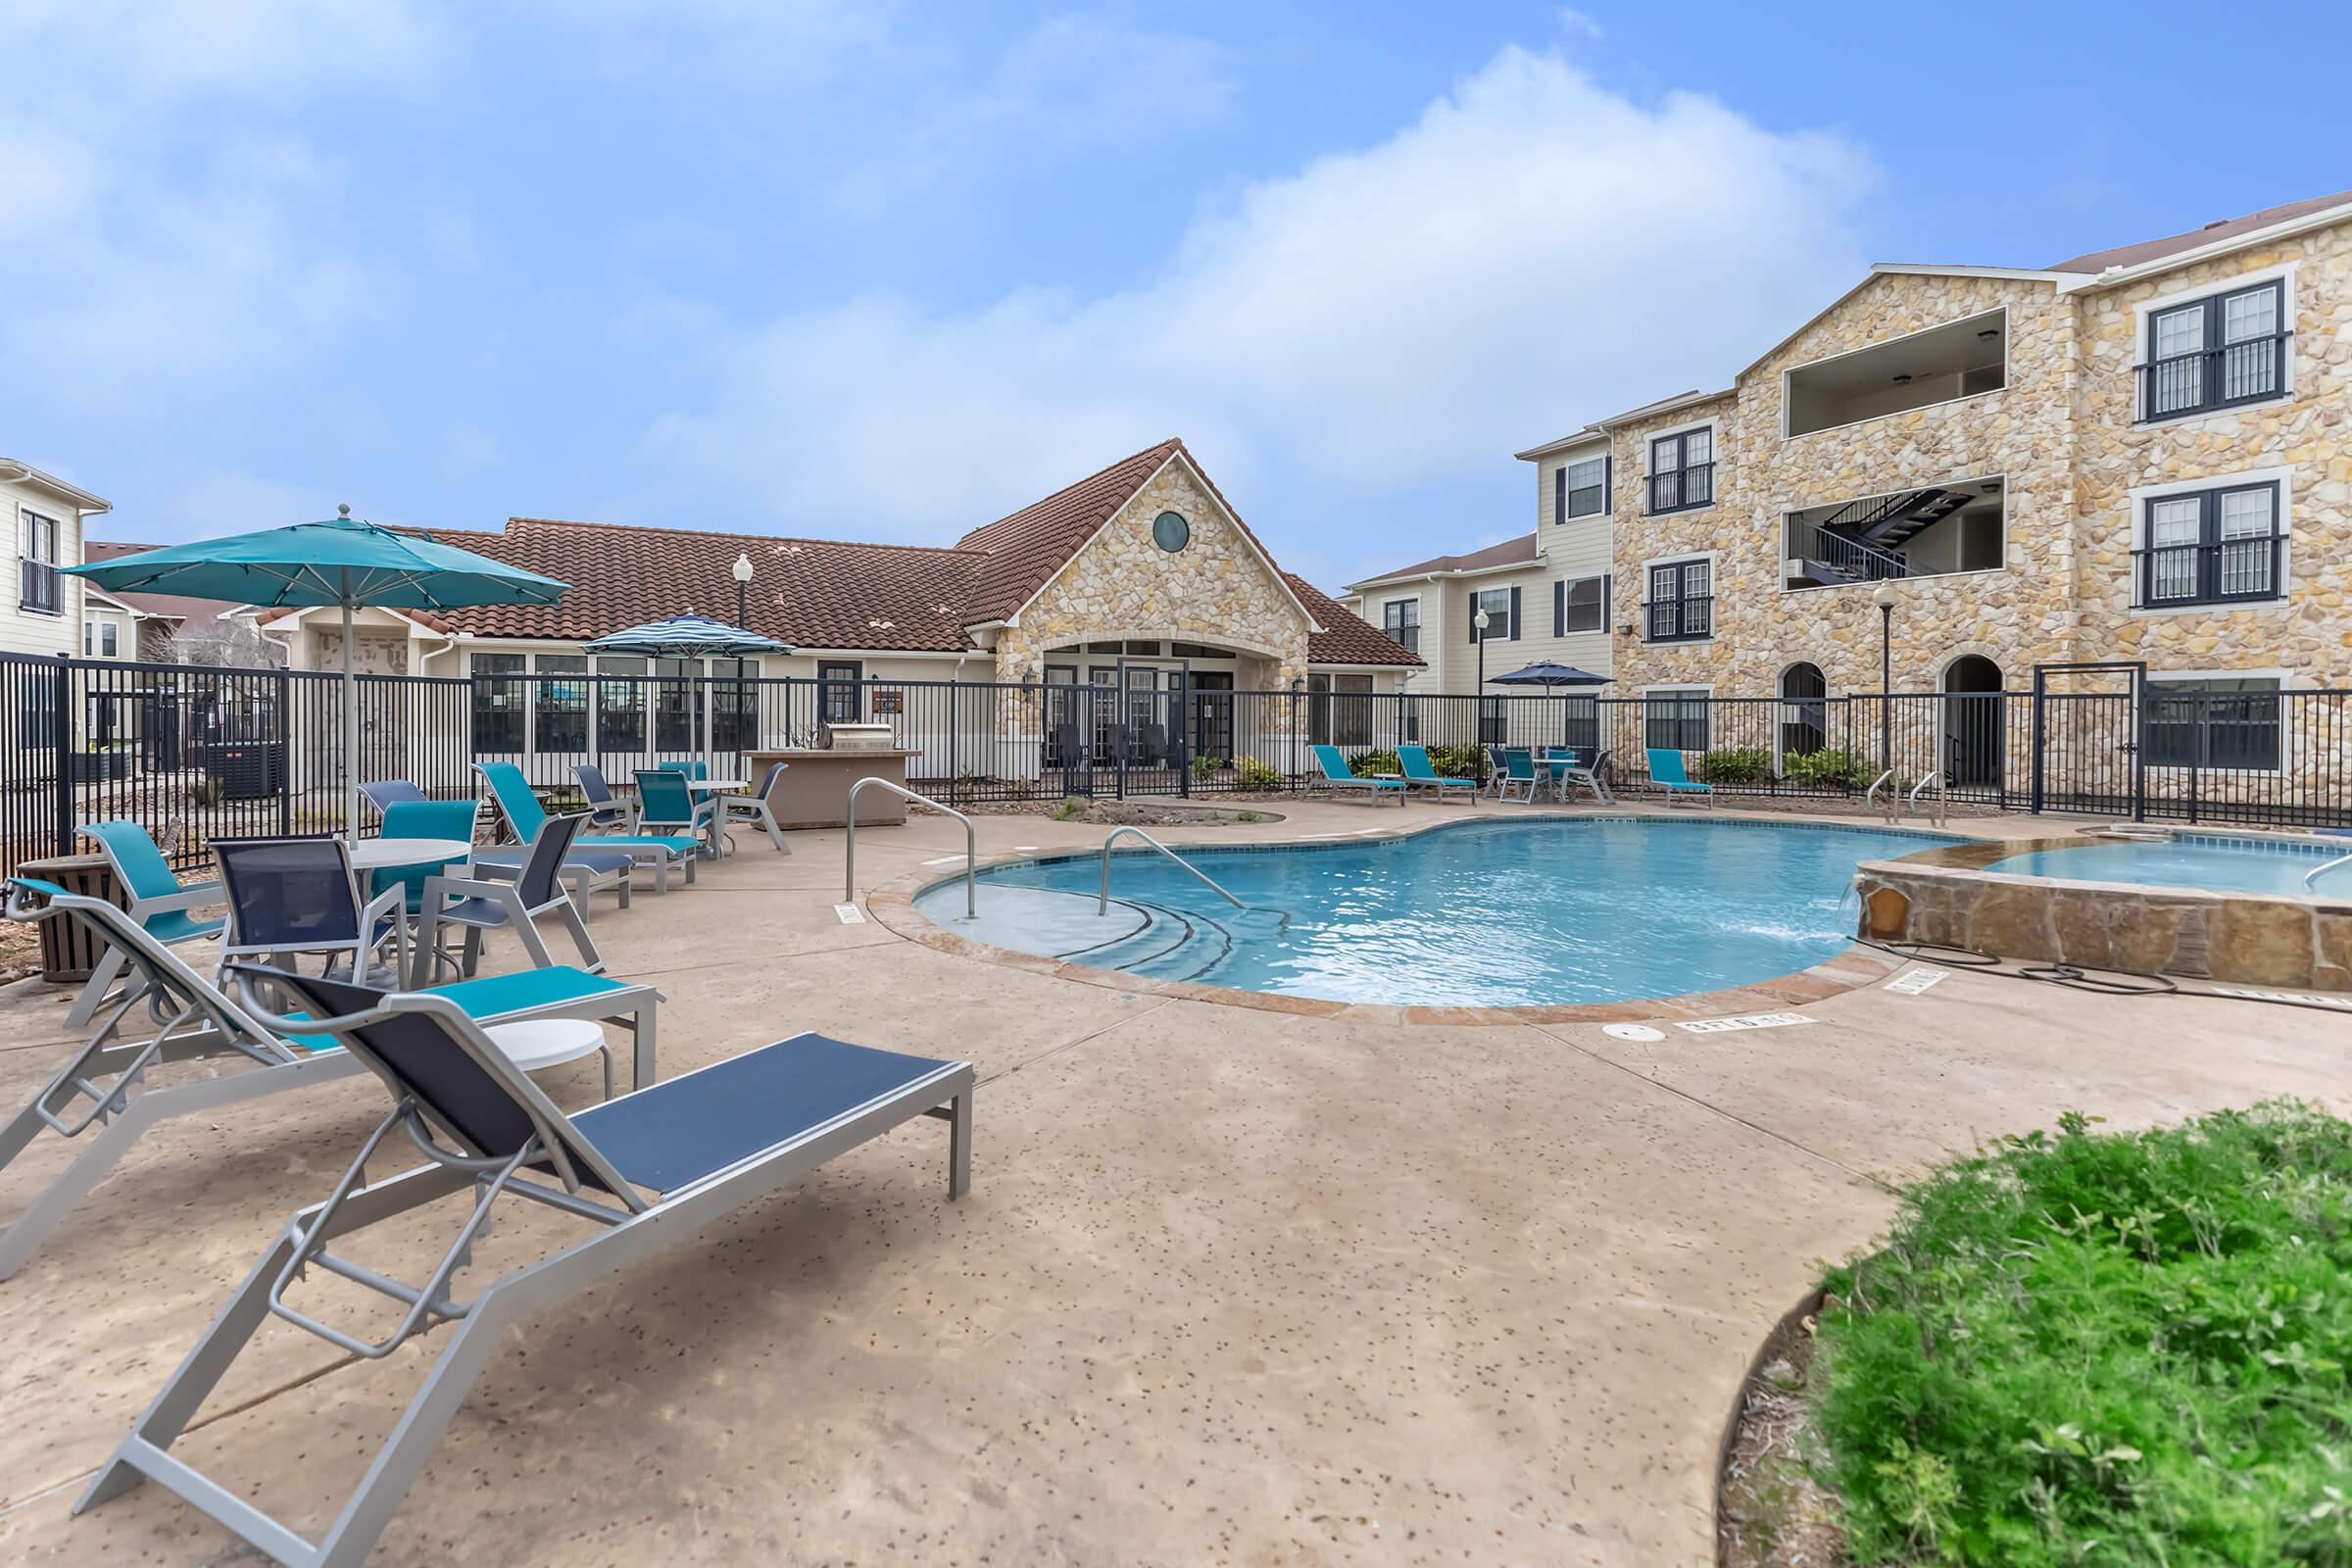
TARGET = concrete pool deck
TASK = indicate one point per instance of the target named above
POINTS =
(1232, 1285)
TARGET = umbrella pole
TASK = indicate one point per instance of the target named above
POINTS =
(351, 722)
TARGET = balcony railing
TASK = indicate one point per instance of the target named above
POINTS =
(1844, 559)
(2219, 378)
(1681, 620)
(2223, 573)
(1679, 489)
(42, 587)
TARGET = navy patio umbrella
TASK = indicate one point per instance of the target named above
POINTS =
(1548, 675)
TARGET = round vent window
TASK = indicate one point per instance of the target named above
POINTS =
(1171, 532)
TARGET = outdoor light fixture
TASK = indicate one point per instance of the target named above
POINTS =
(1990, 332)
(1884, 597)
(1902, 380)
(1480, 622)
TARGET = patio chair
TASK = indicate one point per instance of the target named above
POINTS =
(420, 819)
(1518, 773)
(1498, 769)
(481, 906)
(666, 804)
(705, 1146)
(685, 768)
(1339, 780)
(105, 1095)
(1588, 770)
(291, 898)
(523, 815)
(1666, 770)
(155, 898)
(1419, 774)
(605, 808)
(586, 871)
(753, 810)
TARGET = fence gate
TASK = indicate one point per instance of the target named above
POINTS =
(2086, 739)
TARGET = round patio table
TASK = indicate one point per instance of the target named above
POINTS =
(718, 845)
(538, 1044)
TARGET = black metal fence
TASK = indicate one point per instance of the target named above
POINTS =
(198, 753)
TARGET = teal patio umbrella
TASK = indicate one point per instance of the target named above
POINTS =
(689, 636)
(342, 562)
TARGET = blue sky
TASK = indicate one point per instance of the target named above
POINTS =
(878, 270)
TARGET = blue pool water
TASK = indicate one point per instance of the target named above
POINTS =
(2217, 864)
(1489, 914)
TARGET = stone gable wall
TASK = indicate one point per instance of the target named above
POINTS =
(1122, 584)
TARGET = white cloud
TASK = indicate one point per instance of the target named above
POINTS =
(1533, 252)
(147, 50)
(765, 45)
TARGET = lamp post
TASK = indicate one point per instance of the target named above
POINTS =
(741, 571)
(1883, 598)
(1479, 620)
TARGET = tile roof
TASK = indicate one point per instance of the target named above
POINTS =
(1520, 551)
(827, 593)
(1346, 638)
(2149, 249)
(174, 607)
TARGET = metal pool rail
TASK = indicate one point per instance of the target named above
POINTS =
(1103, 900)
(971, 844)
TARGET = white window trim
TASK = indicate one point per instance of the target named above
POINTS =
(2286, 683)
(1679, 689)
(1649, 438)
(2284, 273)
(1608, 595)
(1678, 558)
(1846, 354)
(1597, 452)
(1488, 636)
(2137, 499)
(1413, 600)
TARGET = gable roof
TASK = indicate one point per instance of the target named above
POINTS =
(2225, 228)
(1346, 638)
(1520, 551)
(830, 592)
(169, 607)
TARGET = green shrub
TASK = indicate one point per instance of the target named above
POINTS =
(1364, 763)
(1458, 761)
(1245, 816)
(1740, 765)
(1829, 769)
(1203, 767)
(1252, 774)
(1068, 809)
(2101, 1348)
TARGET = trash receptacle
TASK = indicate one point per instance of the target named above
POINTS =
(69, 948)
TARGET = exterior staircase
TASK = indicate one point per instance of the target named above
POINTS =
(1858, 542)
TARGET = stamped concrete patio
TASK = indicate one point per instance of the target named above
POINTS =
(1232, 1285)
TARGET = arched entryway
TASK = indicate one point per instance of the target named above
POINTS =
(1972, 721)
(1804, 709)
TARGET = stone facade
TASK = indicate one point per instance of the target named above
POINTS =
(1218, 589)
(2062, 438)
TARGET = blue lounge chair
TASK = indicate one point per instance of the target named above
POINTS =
(105, 1095)
(1518, 773)
(606, 809)
(1338, 778)
(1418, 774)
(706, 1146)
(666, 804)
(155, 899)
(1666, 768)
(523, 815)
(586, 871)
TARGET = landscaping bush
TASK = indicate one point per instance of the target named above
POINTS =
(1204, 766)
(1742, 764)
(1252, 774)
(2103, 1349)
(1827, 769)
(1458, 761)
(1368, 762)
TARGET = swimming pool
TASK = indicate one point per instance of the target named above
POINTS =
(2214, 863)
(1533, 912)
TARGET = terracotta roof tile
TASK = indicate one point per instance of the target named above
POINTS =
(1346, 638)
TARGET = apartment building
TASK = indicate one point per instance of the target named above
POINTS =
(2142, 455)
(44, 515)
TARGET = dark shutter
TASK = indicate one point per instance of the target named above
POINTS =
(1516, 627)
(1559, 607)
(1608, 485)
(1559, 494)
(1470, 614)
(1608, 580)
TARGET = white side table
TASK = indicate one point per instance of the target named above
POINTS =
(538, 1044)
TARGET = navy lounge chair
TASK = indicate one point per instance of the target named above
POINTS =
(705, 1144)
(106, 1091)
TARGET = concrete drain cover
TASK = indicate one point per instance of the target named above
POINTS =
(1631, 1031)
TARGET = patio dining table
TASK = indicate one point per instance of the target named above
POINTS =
(717, 824)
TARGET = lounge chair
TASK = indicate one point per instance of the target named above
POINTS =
(1666, 770)
(587, 871)
(708, 1144)
(1337, 778)
(753, 810)
(606, 809)
(1418, 774)
(475, 906)
(106, 1086)
(1518, 773)
(666, 804)
(155, 898)
(523, 815)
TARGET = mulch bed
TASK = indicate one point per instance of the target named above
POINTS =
(1768, 1512)
(1135, 814)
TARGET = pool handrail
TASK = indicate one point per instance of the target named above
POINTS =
(2311, 877)
(1944, 801)
(1870, 798)
(971, 844)
(1102, 899)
